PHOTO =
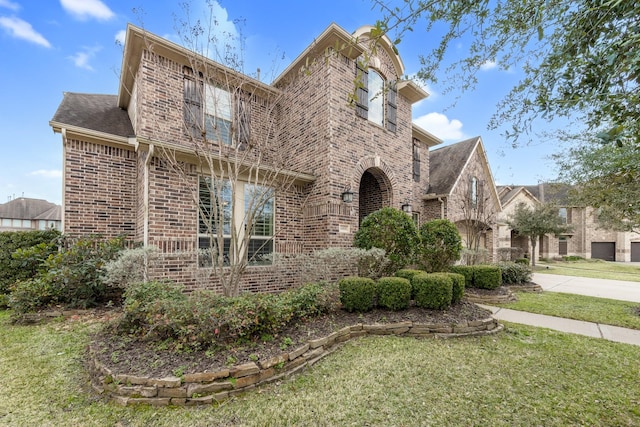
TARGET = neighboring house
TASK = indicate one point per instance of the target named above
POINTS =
(462, 190)
(347, 160)
(23, 214)
(586, 240)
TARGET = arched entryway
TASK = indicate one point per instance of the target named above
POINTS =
(374, 192)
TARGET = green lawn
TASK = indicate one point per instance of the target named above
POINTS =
(597, 269)
(579, 307)
(521, 377)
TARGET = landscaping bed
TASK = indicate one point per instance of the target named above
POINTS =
(137, 357)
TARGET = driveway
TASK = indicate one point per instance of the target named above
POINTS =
(612, 289)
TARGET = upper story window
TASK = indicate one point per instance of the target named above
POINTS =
(416, 160)
(376, 97)
(562, 213)
(215, 112)
(474, 192)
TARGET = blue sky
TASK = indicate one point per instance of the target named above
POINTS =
(49, 47)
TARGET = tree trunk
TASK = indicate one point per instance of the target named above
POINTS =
(533, 252)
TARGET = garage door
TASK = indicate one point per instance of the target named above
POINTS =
(603, 250)
(635, 251)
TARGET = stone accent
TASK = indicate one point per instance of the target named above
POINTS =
(205, 388)
(479, 298)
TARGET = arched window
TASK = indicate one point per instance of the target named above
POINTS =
(376, 97)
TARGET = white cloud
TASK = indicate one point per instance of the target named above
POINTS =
(86, 9)
(9, 5)
(20, 29)
(120, 37)
(440, 125)
(81, 59)
(47, 173)
(488, 65)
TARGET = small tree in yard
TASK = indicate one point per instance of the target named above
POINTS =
(476, 217)
(392, 230)
(440, 245)
(534, 223)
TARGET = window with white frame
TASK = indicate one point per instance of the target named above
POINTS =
(474, 192)
(562, 213)
(376, 97)
(254, 205)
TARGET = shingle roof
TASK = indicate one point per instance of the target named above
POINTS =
(446, 165)
(95, 112)
(24, 208)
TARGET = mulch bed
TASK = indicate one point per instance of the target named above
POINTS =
(136, 357)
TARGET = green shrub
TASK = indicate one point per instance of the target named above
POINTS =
(486, 277)
(30, 295)
(130, 266)
(523, 261)
(161, 311)
(392, 230)
(408, 273)
(357, 293)
(466, 271)
(572, 258)
(4, 301)
(514, 273)
(27, 264)
(394, 293)
(457, 291)
(432, 290)
(440, 245)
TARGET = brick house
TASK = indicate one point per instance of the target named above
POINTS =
(461, 189)
(342, 160)
(586, 240)
(23, 214)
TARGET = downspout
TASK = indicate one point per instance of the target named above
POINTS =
(441, 207)
(146, 196)
(63, 131)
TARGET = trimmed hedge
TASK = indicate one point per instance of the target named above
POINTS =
(482, 276)
(357, 293)
(432, 290)
(458, 281)
(466, 271)
(487, 277)
(394, 293)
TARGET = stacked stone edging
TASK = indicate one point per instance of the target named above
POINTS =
(489, 298)
(207, 387)
(527, 287)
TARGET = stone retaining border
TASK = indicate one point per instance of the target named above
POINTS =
(205, 388)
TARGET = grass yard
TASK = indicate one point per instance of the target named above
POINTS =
(595, 268)
(523, 376)
(579, 307)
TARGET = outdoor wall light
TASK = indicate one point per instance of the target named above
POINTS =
(406, 208)
(347, 196)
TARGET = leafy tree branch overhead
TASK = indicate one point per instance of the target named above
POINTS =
(579, 57)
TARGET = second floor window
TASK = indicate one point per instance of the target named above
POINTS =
(416, 161)
(376, 98)
(562, 213)
(215, 112)
(474, 192)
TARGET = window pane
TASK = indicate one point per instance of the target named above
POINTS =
(258, 200)
(215, 206)
(218, 114)
(206, 247)
(259, 251)
(376, 98)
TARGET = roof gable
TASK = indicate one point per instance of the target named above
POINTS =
(25, 208)
(446, 165)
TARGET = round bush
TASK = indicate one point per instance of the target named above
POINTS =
(487, 277)
(440, 245)
(392, 230)
(357, 293)
(457, 291)
(514, 274)
(432, 290)
(394, 293)
(523, 261)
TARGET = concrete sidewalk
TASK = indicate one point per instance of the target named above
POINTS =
(601, 288)
(596, 330)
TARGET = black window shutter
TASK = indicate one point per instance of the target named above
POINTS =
(392, 108)
(192, 103)
(416, 161)
(362, 91)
